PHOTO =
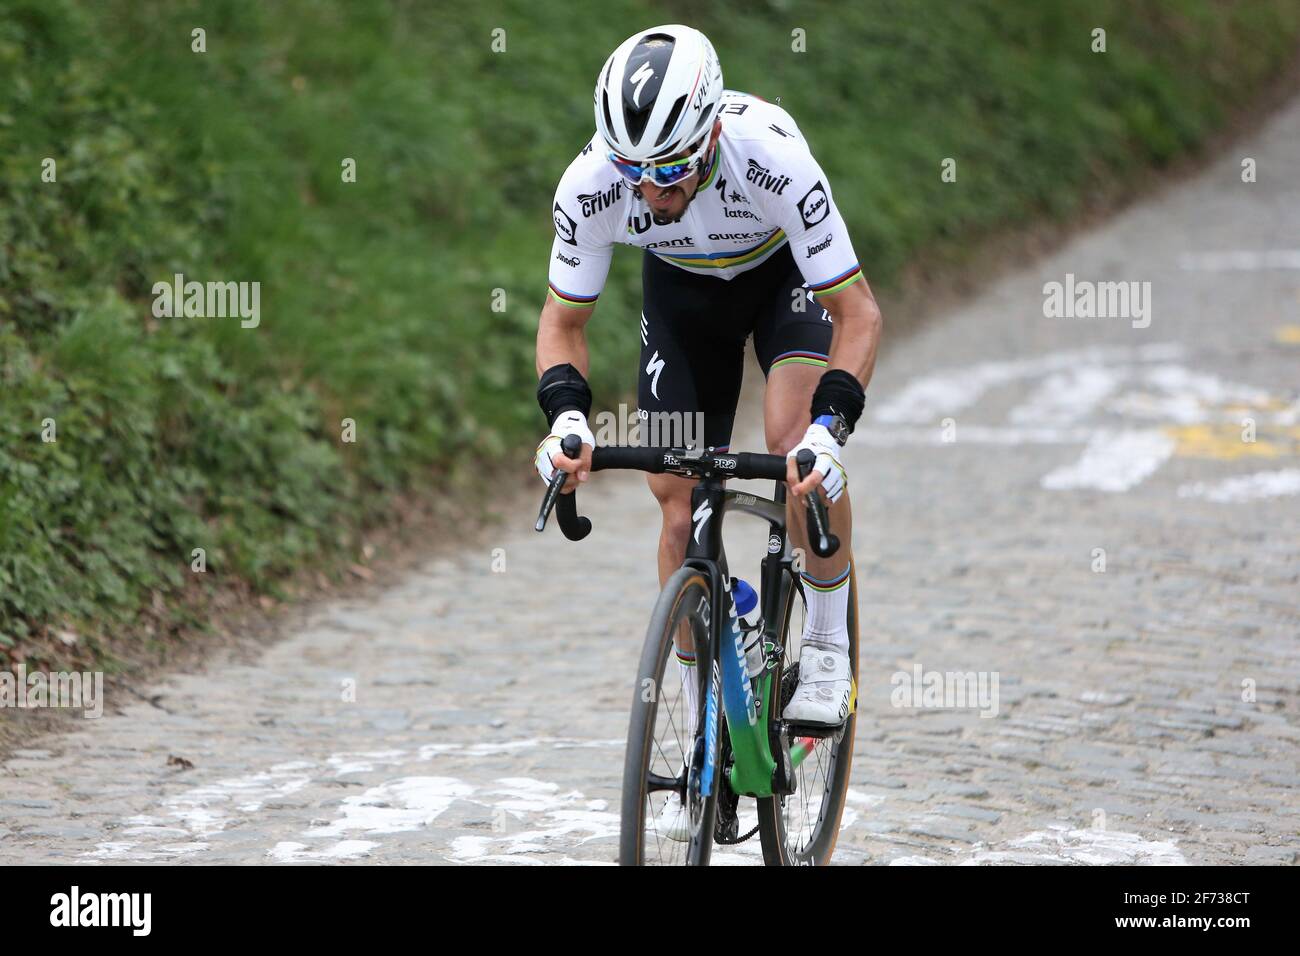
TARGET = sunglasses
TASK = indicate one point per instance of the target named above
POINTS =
(661, 174)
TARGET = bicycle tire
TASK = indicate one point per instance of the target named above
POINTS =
(771, 817)
(678, 601)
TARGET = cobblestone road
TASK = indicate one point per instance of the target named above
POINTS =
(1147, 712)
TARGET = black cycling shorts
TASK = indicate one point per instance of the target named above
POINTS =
(693, 332)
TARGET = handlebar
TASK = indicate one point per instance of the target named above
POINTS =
(688, 463)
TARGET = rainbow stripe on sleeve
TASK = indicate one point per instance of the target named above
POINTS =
(572, 300)
(835, 284)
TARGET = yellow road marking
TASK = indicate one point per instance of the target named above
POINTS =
(1224, 442)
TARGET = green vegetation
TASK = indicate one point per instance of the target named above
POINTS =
(376, 296)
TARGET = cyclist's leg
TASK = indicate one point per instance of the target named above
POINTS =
(792, 340)
(690, 368)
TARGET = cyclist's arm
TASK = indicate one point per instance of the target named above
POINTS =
(580, 258)
(819, 242)
(562, 336)
(855, 329)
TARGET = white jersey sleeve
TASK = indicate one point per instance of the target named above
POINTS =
(806, 211)
(588, 204)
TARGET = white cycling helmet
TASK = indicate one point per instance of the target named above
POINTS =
(658, 93)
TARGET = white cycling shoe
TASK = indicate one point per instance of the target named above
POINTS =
(825, 687)
(674, 822)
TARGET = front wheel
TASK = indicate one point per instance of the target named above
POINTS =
(673, 738)
(800, 829)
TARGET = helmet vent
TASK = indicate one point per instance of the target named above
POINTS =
(604, 103)
(671, 122)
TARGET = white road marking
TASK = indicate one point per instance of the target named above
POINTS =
(407, 803)
(1262, 484)
(209, 808)
(1066, 397)
(1141, 385)
(926, 399)
(1061, 844)
(1113, 461)
(1187, 397)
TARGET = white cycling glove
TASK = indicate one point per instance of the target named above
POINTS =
(566, 423)
(819, 441)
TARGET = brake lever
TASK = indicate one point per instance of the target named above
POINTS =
(574, 526)
(548, 499)
(823, 543)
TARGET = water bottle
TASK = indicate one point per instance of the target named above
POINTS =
(748, 618)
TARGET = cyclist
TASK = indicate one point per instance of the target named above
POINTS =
(741, 236)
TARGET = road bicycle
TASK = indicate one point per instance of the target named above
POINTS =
(797, 774)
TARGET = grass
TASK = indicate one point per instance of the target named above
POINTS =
(406, 301)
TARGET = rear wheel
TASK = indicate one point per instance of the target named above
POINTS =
(663, 757)
(800, 829)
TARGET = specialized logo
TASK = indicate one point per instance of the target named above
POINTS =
(702, 514)
(586, 149)
(776, 129)
(762, 176)
(824, 244)
(706, 86)
(565, 226)
(571, 263)
(653, 368)
(815, 205)
(593, 203)
(643, 75)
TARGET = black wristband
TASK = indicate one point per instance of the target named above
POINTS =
(561, 389)
(839, 393)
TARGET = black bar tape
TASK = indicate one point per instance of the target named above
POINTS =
(563, 389)
(839, 393)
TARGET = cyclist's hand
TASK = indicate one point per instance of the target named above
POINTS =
(827, 470)
(550, 457)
